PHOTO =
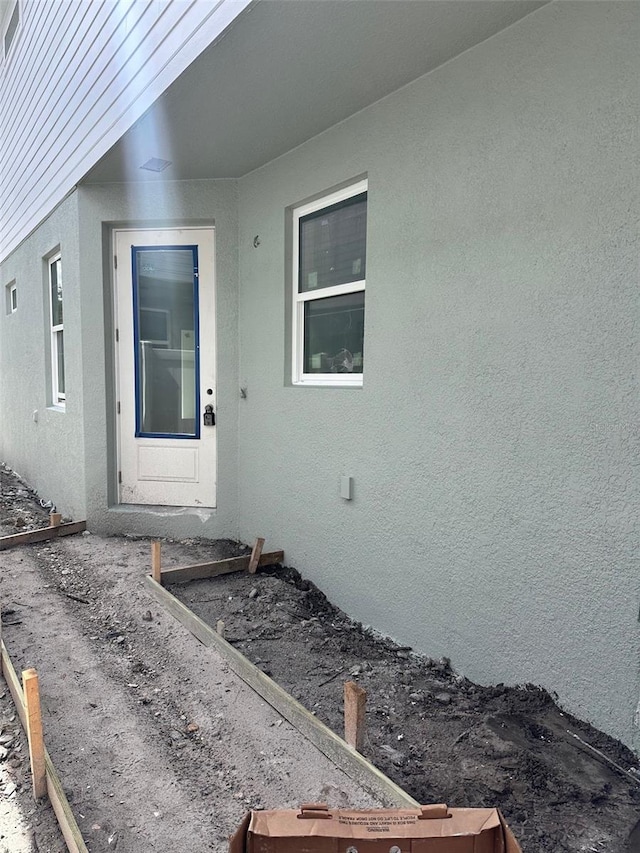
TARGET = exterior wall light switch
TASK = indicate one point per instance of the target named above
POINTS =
(346, 488)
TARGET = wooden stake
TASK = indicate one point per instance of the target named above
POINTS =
(220, 628)
(34, 732)
(55, 519)
(156, 571)
(255, 556)
(42, 534)
(200, 571)
(355, 699)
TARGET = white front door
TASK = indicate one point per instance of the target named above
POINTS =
(165, 348)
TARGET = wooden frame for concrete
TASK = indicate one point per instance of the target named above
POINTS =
(328, 742)
(67, 822)
(201, 571)
(42, 534)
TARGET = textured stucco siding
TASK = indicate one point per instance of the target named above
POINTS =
(45, 447)
(141, 205)
(494, 444)
(70, 456)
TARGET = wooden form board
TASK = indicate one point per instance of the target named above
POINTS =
(66, 820)
(328, 742)
(41, 535)
(199, 571)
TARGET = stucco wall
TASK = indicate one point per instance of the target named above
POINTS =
(45, 447)
(492, 447)
(195, 203)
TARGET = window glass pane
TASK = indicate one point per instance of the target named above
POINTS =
(166, 341)
(60, 359)
(56, 292)
(334, 334)
(14, 299)
(333, 244)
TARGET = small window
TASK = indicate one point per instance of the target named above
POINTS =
(57, 331)
(12, 28)
(329, 275)
(11, 298)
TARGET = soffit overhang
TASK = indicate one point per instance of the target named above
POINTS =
(286, 70)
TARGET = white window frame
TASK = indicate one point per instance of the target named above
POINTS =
(353, 380)
(58, 398)
(13, 298)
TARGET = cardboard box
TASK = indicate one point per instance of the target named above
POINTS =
(314, 828)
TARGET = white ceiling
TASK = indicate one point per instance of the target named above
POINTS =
(287, 70)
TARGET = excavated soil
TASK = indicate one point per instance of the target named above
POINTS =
(25, 824)
(439, 736)
(158, 745)
(161, 748)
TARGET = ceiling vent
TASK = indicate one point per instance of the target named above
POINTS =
(156, 164)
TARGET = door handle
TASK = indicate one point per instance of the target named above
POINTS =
(209, 417)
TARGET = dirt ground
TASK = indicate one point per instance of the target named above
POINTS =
(20, 816)
(440, 737)
(124, 685)
(159, 746)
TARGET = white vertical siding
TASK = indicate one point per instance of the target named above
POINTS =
(80, 73)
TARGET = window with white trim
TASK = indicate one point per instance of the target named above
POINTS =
(11, 298)
(57, 331)
(329, 275)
